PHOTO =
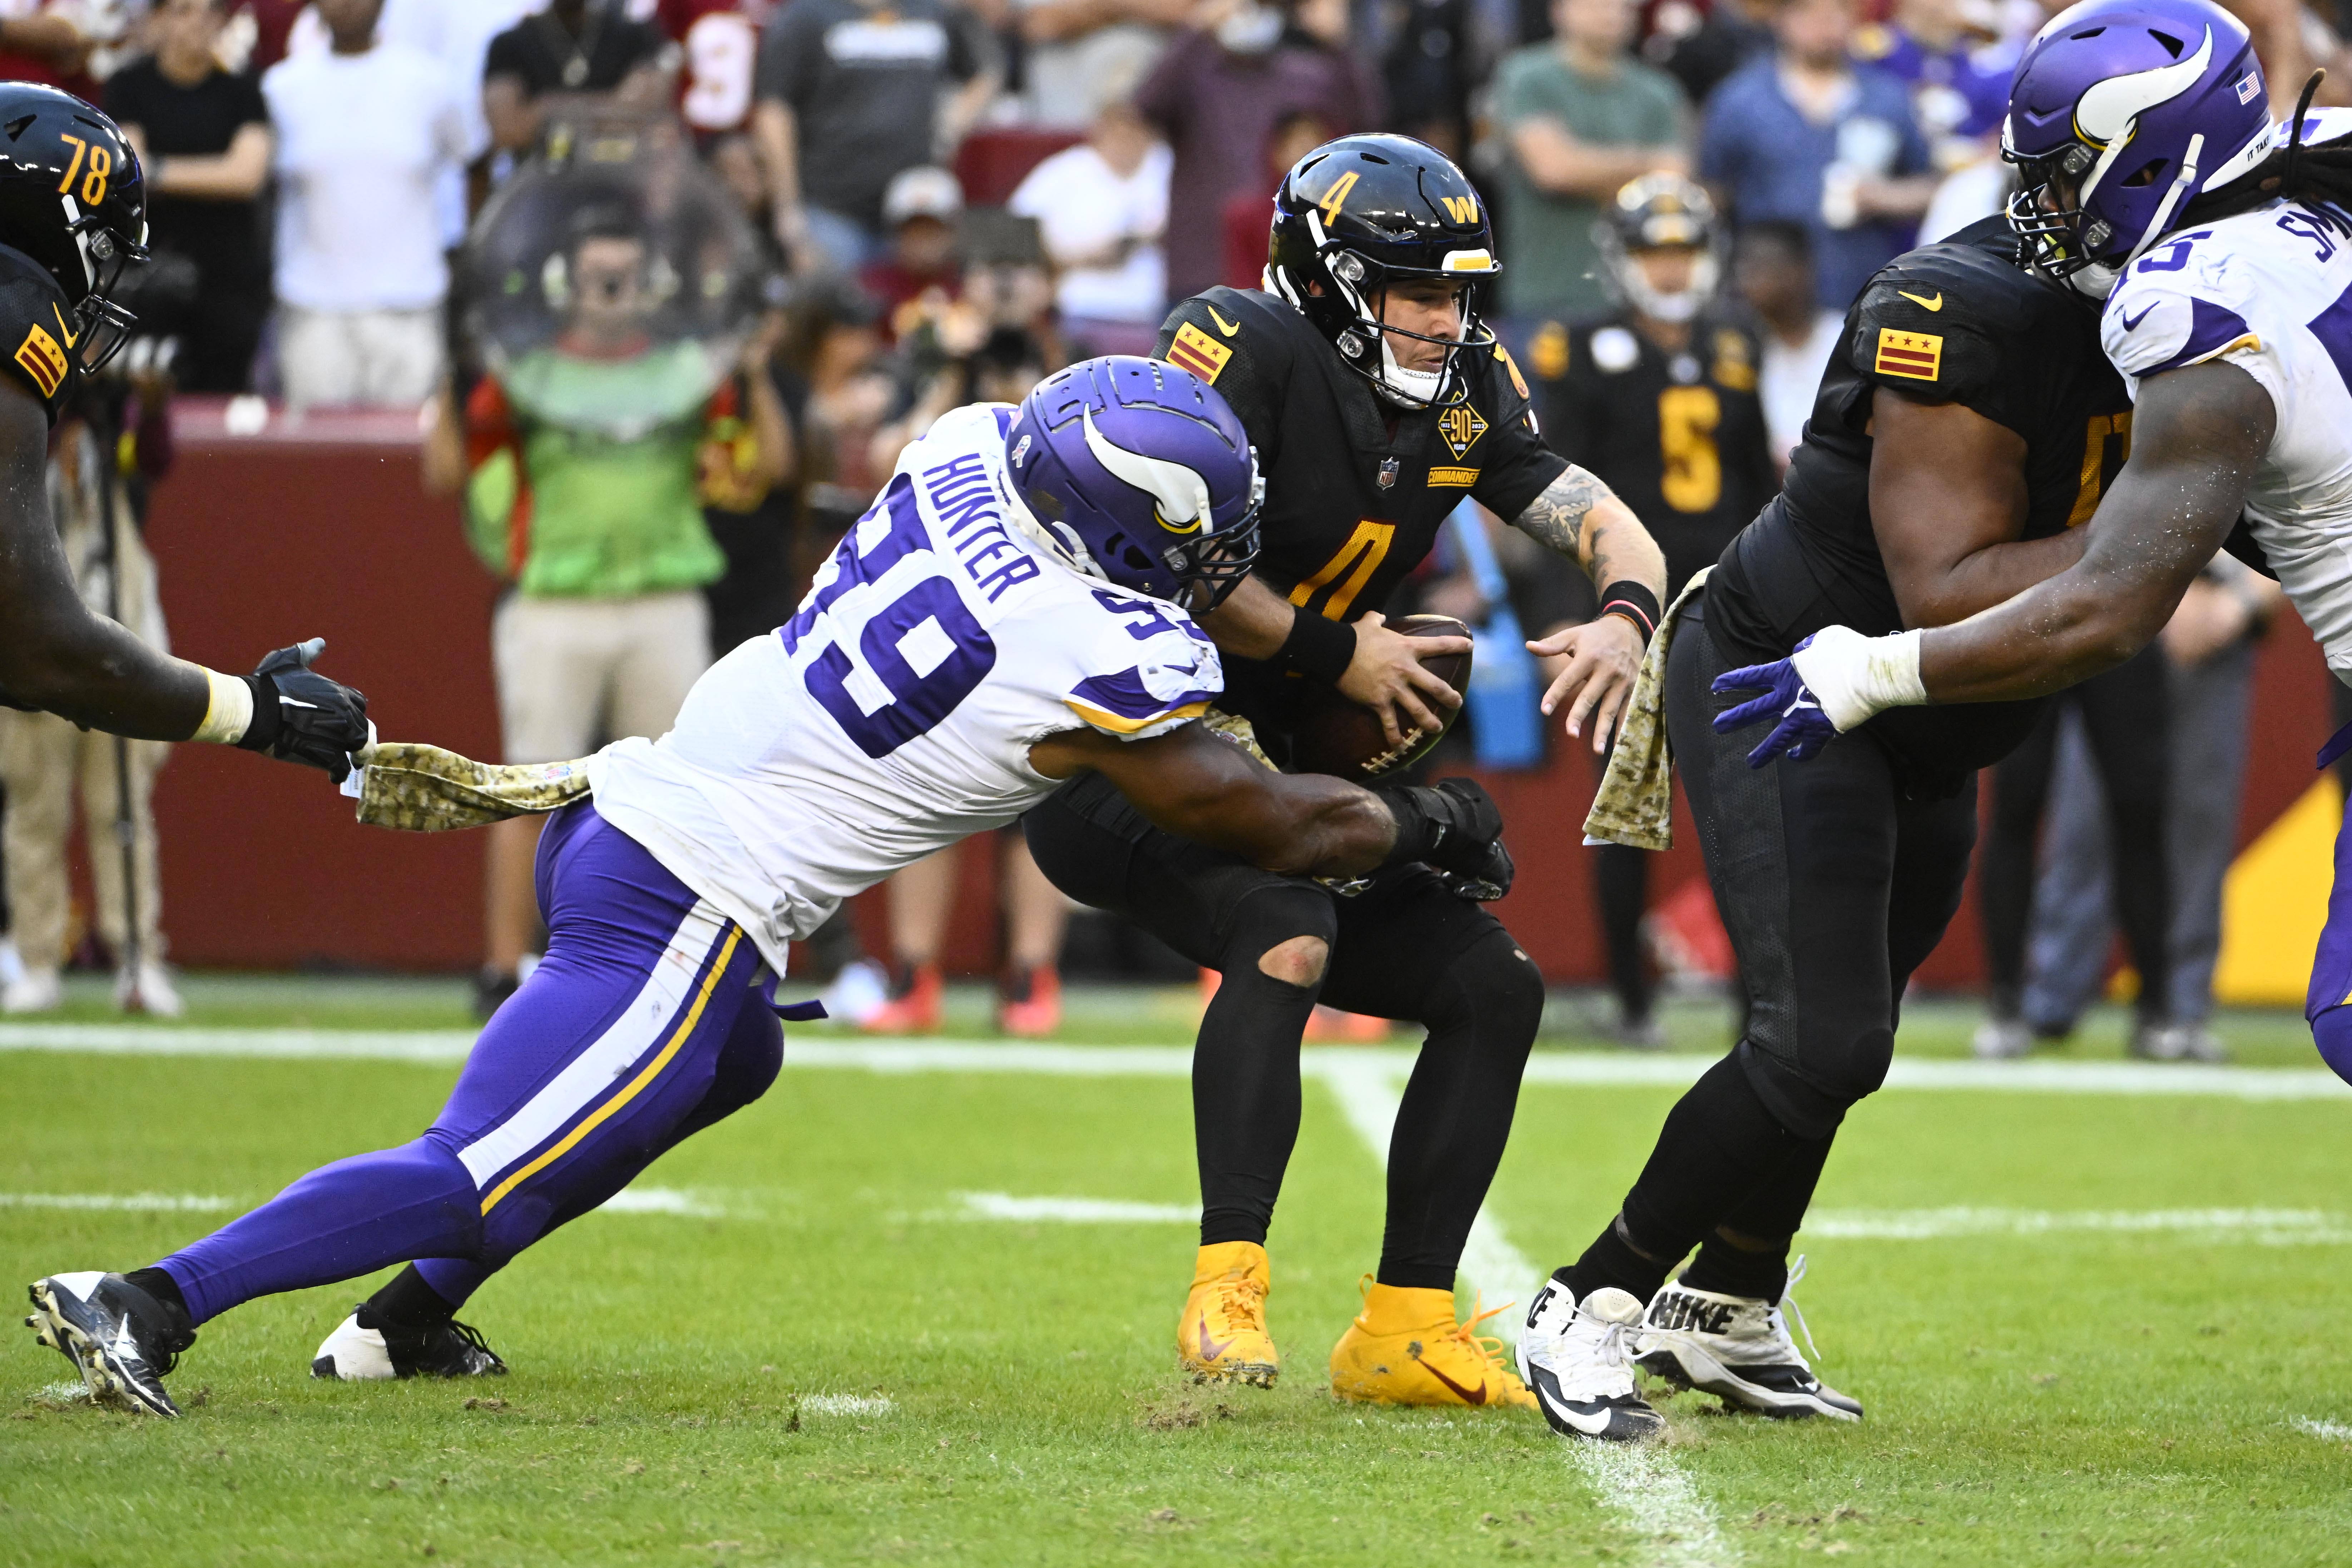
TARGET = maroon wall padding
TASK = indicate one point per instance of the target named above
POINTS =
(321, 527)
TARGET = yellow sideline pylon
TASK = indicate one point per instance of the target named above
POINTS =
(2274, 902)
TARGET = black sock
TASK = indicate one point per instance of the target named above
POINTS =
(1719, 1146)
(1245, 1097)
(1614, 1260)
(165, 1289)
(1728, 1271)
(409, 1302)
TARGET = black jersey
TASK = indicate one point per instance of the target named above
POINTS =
(36, 331)
(1354, 487)
(1679, 436)
(1958, 321)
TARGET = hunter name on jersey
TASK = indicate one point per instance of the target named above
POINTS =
(2269, 291)
(36, 331)
(893, 714)
(1960, 322)
(1356, 488)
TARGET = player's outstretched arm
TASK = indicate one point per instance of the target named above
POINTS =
(1582, 519)
(1368, 663)
(1192, 783)
(59, 657)
(2198, 436)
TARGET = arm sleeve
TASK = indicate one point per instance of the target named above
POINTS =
(1251, 370)
(2154, 323)
(251, 110)
(1517, 465)
(1144, 674)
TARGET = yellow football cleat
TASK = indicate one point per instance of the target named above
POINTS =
(1221, 1338)
(1406, 1348)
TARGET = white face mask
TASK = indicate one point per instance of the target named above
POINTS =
(1406, 388)
(2098, 281)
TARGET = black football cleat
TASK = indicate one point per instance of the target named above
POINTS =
(122, 1341)
(363, 1348)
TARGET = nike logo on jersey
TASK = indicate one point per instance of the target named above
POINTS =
(2130, 321)
(1228, 328)
(1935, 304)
(65, 332)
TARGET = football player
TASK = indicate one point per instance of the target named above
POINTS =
(1963, 432)
(1011, 613)
(1375, 401)
(1657, 399)
(2155, 180)
(73, 220)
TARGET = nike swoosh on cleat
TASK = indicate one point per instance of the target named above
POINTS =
(1210, 1349)
(1228, 328)
(1935, 304)
(1583, 1421)
(1467, 1397)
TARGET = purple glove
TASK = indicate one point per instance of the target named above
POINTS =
(1803, 729)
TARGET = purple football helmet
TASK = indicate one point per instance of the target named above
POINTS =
(1138, 472)
(2122, 112)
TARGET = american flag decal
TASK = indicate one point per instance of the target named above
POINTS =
(1918, 356)
(2249, 88)
(1197, 352)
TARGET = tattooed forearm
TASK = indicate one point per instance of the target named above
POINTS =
(1581, 518)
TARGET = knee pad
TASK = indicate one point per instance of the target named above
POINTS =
(746, 1065)
(1494, 978)
(1809, 1105)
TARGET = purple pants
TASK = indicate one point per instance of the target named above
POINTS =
(647, 1022)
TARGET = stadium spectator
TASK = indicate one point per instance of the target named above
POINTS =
(849, 95)
(718, 42)
(1249, 211)
(43, 757)
(1728, 34)
(1581, 116)
(573, 48)
(2209, 643)
(1772, 267)
(204, 136)
(364, 131)
(1036, 916)
(1102, 212)
(920, 273)
(1077, 54)
(754, 525)
(1806, 134)
(1217, 95)
(1429, 68)
(44, 41)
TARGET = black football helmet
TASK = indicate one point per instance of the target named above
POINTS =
(1360, 214)
(73, 197)
(1660, 212)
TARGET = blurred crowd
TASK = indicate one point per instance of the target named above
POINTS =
(951, 198)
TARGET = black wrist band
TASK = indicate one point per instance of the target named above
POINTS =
(1412, 826)
(1317, 648)
(262, 730)
(1635, 602)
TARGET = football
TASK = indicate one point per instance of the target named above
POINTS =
(1333, 736)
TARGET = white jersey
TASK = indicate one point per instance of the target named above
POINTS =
(2270, 293)
(893, 714)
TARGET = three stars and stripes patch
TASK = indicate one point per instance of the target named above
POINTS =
(1197, 352)
(1917, 356)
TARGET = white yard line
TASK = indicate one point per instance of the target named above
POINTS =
(169, 1203)
(1642, 1484)
(1596, 1070)
(660, 1200)
(2277, 1228)
(2326, 1431)
(1076, 1211)
(847, 1404)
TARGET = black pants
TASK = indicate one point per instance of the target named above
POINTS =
(2125, 720)
(1833, 886)
(1406, 948)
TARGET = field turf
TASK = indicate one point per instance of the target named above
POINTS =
(2089, 1325)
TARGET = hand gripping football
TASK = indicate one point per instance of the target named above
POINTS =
(1333, 736)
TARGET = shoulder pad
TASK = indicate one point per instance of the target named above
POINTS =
(1934, 321)
(1511, 368)
(36, 331)
(1201, 334)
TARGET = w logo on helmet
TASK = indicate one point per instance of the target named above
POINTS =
(1461, 209)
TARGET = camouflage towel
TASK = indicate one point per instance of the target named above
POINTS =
(425, 789)
(1636, 802)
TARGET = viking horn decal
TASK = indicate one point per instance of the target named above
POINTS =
(2107, 109)
(1180, 496)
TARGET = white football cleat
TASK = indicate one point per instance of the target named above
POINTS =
(1578, 1362)
(122, 1340)
(361, 1352)
(1737, 1348)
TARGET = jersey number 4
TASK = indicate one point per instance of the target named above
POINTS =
(924, 652)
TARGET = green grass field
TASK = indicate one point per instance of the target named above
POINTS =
(2089, 1324)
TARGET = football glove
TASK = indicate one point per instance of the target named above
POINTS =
(1803, 729)
(300, 716)
(1456, 827)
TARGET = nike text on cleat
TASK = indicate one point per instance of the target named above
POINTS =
(361, 1349)
(1221, 1336)
(1577, 1361)
(1737, 1348)
(122, 1340)
(1404, 1347)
